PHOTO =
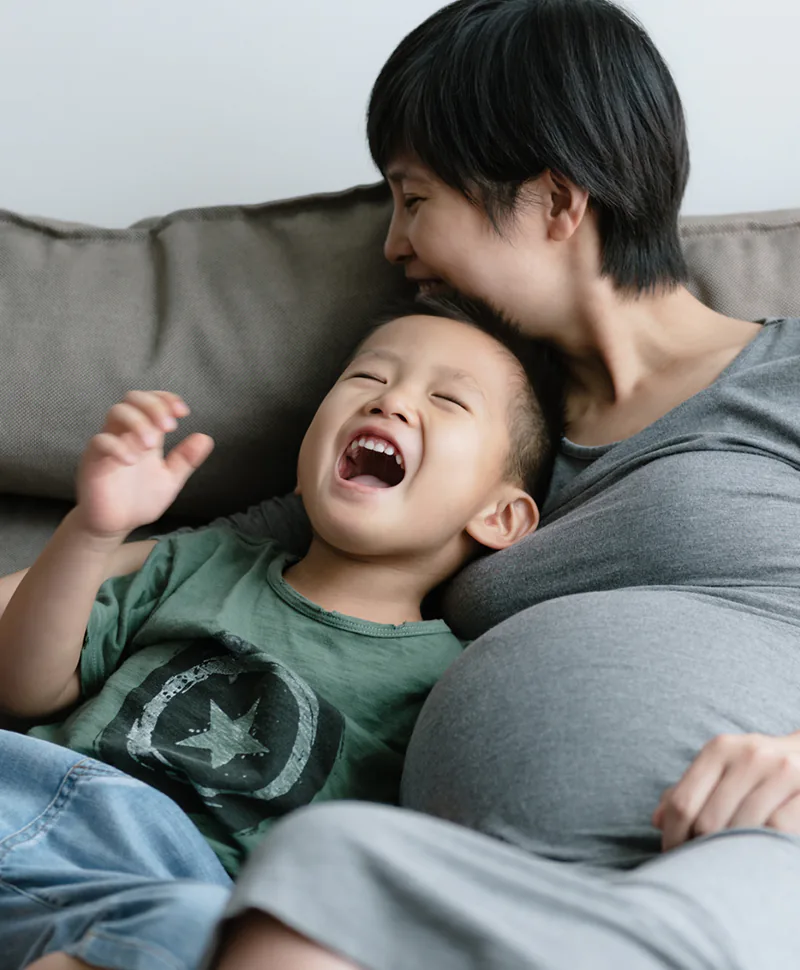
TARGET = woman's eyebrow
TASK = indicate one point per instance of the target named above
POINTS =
(399, 173)
(395, 174)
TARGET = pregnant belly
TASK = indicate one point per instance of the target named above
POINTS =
(558, 730)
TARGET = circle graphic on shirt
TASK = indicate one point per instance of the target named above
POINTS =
(226, 732)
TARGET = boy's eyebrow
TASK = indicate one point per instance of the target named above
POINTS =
(451, 373)
(463, 377)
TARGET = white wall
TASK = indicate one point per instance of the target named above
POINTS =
(115, 109)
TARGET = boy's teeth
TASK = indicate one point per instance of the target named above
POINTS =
(371, 444)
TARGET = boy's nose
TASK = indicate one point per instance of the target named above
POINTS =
(390, 405)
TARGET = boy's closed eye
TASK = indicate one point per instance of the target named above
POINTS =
(452, 400)
(367, 377)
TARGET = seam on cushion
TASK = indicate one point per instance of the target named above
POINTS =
(89, 233)
(688, 232)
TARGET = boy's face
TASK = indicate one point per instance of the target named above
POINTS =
(412, 441)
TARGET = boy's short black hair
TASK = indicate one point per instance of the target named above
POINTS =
(489, 94)
(536, 417)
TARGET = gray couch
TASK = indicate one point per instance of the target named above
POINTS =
(248, 312)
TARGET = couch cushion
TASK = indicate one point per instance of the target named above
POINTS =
(746, 265)
(248, 312)
(27, 523)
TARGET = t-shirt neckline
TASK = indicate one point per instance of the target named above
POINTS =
(341, 621)
(591, 452)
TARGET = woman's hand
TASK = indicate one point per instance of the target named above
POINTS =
(737, 781)
(125, 481)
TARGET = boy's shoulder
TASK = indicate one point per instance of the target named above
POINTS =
(189, 549)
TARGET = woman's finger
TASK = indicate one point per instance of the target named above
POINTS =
(753, 764)
(766, 800)
(687, 798)
(787, 817)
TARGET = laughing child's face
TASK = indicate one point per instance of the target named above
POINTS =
(408, 455)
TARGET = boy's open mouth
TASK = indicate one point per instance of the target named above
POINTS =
(372, 462)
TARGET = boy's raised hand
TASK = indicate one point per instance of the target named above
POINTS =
(125, 480)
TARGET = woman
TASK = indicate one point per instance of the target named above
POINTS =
(635, 683)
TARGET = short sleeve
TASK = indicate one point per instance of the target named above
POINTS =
(283, 520)
(122, 606)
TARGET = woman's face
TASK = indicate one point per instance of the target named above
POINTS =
(446, 242)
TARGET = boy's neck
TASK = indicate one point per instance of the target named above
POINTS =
(371, 589)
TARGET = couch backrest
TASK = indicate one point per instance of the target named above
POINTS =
(248, 312)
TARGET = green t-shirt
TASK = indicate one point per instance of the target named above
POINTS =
(206, 675)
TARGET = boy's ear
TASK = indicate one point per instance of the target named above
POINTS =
(507, 520)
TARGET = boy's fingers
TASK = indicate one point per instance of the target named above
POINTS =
(189, 455)
(157, 406)
(126, 418)
(175, 402)
(110, 446)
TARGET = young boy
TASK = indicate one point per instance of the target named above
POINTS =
(228, 676)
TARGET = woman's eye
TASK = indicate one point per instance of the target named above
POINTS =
(410, 201)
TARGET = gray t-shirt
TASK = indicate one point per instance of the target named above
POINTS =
(657, 606)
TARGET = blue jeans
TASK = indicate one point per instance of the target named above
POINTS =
(99, 865)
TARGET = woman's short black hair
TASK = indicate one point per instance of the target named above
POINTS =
(536, 416)
(489, 94)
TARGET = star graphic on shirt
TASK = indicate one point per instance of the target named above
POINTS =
(226, 738)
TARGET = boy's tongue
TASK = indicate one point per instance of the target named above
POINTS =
(370, 481)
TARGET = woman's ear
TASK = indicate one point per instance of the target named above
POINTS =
(565, 204)
(505, 521)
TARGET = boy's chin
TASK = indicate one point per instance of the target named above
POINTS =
(355, 532)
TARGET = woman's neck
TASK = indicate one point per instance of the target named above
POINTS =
(630, 361)
(371, 589)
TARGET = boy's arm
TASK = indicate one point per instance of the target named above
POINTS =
(129, 558)
(125, 481)
(48, 614)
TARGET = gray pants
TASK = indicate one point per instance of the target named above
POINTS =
(395, 890)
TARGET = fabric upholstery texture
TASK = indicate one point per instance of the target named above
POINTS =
(247, 311)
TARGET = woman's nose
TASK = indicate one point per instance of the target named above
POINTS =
(397, 248)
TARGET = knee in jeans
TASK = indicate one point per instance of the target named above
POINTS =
(194, 904)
